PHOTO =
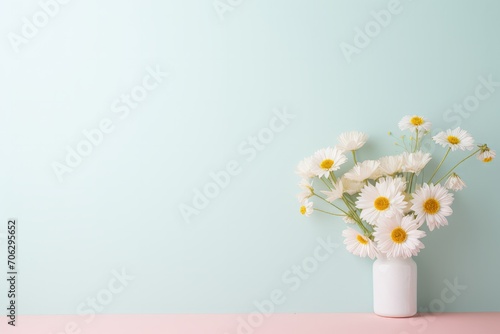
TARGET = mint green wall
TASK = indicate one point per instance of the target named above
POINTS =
(229, 78)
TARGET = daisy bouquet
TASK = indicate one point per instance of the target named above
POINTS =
(387, 201)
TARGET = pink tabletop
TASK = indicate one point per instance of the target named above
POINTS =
(334, 323)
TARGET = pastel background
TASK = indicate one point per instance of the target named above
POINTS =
(229, 74)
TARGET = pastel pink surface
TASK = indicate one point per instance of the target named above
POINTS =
(333, 323)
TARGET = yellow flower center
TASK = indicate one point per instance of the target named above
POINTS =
(303, 209)
(398, 235)
(361, 239)
(431, 206)
(327, 164)
(488, 159)
(381, 203)
(417, 120)
(453, 140)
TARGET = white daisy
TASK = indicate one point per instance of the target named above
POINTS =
(399, 236)
(327, 160)
(336, 193)
(352, 187)
(432, 203)
(391, 165)
(307, 208)
(399, 182)
(486, 155)
(362, 170)
(304, 168)
(414, 123)
(358, 244)
(415, 162)
(455, 139)
(382, 200)
(454, 183)
(352, 141)
(307, 192)
(378, 173)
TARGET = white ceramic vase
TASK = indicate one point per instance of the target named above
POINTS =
(395, 287)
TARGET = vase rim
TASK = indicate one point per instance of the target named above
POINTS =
(384, 258)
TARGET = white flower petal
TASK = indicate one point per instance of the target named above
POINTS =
(336, 193)
(358, 244)
(432, 204)
(486, 155)
(327, 160)
(398, 236)
(413, 123)
(415, 162)
(384, 199)
(455, 139)
(454, 183)
(304, 168)
(352, 141)
(307, 208)
(362, 170)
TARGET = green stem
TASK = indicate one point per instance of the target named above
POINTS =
(326, 183)
(410, 184)
(421, 140)
(348, 197)
(348, 204)
(440, 164)
(330, 213)
(355, 216)
(354, 157)
(333, 178)
(416, 142)
(365, 231)
(362, 226)
(330, 203)
(453, 168)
